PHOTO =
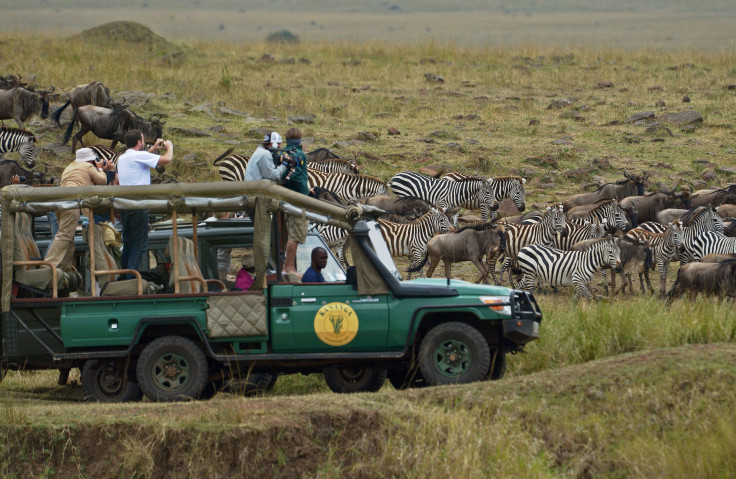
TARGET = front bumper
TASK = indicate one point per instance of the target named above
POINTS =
(526, 318)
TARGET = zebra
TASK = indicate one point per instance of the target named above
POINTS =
(22, 141)
(410, 239)
(567, 268)
(336, 238)
(107, 154)
(334, 166)
(447, 194)
(605, 209)
(347, 187)
(501, 187)
(231, 167)
(664, 248)
(579, 232)
(518, 236)
(711, 242)
(696, 222)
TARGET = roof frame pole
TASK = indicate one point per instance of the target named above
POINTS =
(194, 235)
(91, 242)
(175, 252)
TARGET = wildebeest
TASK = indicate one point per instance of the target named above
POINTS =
(726, 211)
(631, 185)
(94, 93)
(112, 125)
(408, 206)
(715, 197)
(706, 278)
(10, 168)
(652, 203)
(11, 81)
(20, 104)
(470, 243)
(670, 214)
(321, 154)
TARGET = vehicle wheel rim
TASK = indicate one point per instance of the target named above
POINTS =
(109, 380)
(171, 371)
(452, 358)
(352, 375)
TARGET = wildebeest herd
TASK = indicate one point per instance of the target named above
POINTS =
(618, 227)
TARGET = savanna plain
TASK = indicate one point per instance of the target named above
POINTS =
(624, 387)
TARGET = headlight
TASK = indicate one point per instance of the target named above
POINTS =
(498, 301)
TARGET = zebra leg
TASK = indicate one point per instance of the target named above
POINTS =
(581, 290)
(527, 283)
(506, 265)
(605, 281)
(649, 283)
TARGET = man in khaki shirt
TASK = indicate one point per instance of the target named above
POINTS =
(86, 170)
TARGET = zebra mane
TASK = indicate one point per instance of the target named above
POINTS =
(503, 178)
(692, 215)
(9, 130)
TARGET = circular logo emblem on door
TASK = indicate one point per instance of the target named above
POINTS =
(336, 324)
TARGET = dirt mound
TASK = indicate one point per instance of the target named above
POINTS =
(128, 32)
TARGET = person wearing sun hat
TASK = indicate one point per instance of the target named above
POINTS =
(85, 170)
(261, 166)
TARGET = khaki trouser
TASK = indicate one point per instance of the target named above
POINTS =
(61, 252)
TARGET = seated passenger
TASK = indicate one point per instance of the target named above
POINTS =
(313, 274)
(244, 280)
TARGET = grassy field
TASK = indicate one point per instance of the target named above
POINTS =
(626, 388)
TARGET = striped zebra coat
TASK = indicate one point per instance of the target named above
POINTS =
(446, 194)
(108, 154)
(696, 222)
(664, 248)
(410, 239)
(579, 231)
(519, 236)
(501, 187)
(567, 268)
(336, 238)
(610, 210)
(22, 141)
(711, 242)
(347, 187)
(336, 165)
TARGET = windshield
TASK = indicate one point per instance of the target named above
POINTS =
(379, 246)
(332, 272)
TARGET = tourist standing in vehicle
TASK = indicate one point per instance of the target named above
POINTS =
(134, 168)
(86, 170)
(297, 181)
(313, 274)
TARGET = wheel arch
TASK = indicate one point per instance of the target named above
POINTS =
(490, 329)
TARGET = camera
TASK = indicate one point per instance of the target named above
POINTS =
(22, 179)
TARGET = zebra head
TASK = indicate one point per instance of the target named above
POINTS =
(516, 192)
(554, 218)
(598, 228)
(28, 153)
(613, 253)
(440, 221)
(674, 234)
(716, 222)
(616, 216)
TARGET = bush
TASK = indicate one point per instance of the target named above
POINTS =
(282, 36)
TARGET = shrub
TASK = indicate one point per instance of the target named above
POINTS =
(282, 36)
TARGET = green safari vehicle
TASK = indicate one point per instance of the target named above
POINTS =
(179, 334)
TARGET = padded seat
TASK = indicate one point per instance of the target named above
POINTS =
(187, 273)
(30, 269)
(106, 271)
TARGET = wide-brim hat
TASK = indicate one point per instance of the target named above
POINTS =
(85, 155)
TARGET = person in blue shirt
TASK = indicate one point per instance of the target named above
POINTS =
(313, 274)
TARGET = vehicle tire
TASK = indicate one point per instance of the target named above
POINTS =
(404, 378)
(252, 385)
(107, 380)
(454, 353)
(354, 380)
(209, 390)
(498, 364)
(172, 368)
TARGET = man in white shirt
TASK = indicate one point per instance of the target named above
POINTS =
(134, 168)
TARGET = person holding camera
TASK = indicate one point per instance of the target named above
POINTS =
(134, 168)
(86, 170)
(298, 181)
(261, 165)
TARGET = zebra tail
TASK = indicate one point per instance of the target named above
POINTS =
(69, 129)
(671, 293)
(420, 265)
(56, 115)
(223, 156)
